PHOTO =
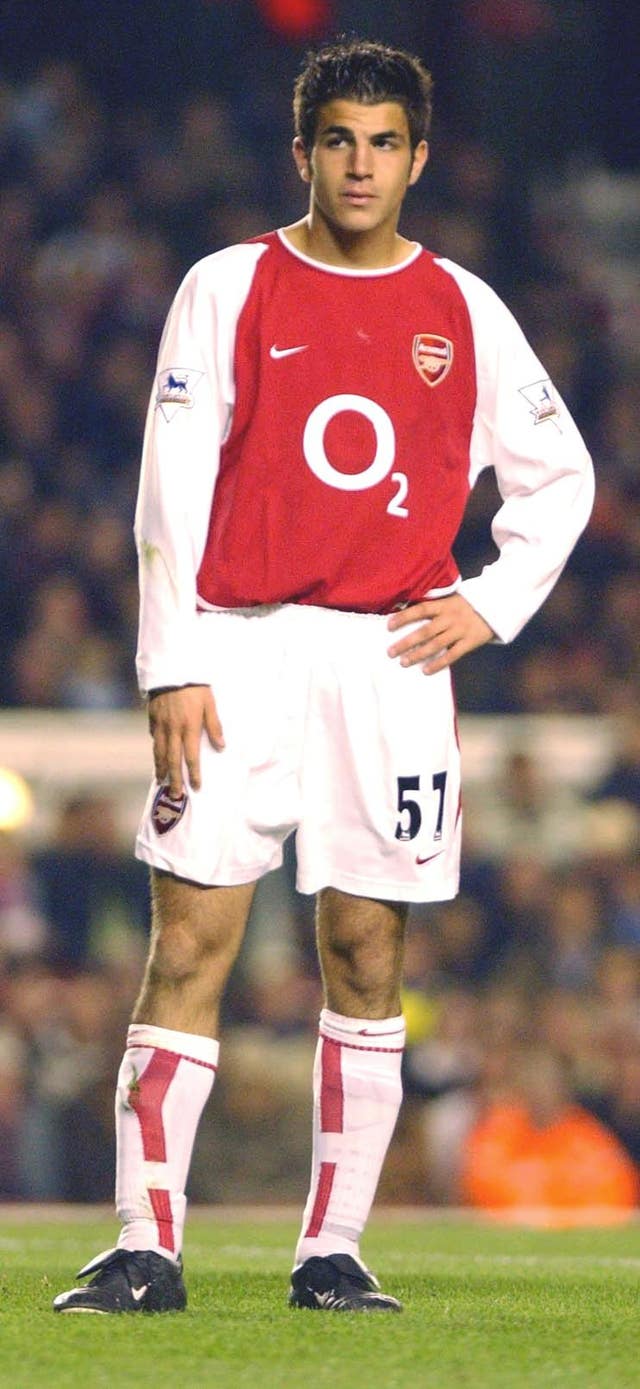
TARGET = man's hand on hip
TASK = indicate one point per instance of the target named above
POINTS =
(449, 629)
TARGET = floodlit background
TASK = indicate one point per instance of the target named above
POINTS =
(135, 138)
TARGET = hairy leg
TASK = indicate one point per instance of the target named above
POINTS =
(196, 934)
(361, 950)
(171, 1056)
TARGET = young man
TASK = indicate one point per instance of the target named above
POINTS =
(325, 397)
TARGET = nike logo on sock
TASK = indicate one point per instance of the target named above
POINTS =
(138, 1293)
(373, 1032)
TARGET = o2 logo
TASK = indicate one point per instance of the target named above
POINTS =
(316, 455)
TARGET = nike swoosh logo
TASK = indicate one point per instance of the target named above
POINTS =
(138, 1293)
(372, 1032)
(278, 352)
(430, 857)
(324, 1299)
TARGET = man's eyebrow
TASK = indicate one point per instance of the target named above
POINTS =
(348, 130)
(336, 130)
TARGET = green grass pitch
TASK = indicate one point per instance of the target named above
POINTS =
(484, 1306)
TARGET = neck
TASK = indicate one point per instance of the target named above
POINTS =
(331, 245)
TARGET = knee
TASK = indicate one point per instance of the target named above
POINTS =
(360, 977)
(361, 947)
(355, 953)
(178, 953)
(366, 970)
(364, 947)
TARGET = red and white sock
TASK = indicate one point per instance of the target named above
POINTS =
(164, 1082)
(357, 1091)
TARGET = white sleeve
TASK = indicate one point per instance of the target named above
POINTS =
(188, 418)
(543, 470)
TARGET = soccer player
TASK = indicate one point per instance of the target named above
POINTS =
(325, 397)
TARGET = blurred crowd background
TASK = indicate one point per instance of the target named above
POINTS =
(133, 140)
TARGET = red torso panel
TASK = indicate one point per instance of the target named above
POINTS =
(345, 473)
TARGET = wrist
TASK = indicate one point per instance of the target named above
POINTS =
(170, 689)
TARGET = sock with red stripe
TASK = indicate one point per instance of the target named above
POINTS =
(357, 1091)
(163, 1085)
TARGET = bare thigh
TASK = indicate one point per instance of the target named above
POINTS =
(361, 949)
(196, 933)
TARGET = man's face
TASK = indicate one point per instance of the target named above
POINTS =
(361, 164)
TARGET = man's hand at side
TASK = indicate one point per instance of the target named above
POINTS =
(176, 722)
(450, 629)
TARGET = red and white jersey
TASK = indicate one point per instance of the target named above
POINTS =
(312, 436)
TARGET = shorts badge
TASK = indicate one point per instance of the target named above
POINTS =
(167, 812)
(432, 357)
(539, 398)
(176, 389)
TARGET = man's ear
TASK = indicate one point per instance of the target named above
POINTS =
(420, 157)
(302, 160)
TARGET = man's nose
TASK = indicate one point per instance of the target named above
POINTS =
(360, 163)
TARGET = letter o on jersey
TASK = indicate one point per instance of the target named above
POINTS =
(315, 452)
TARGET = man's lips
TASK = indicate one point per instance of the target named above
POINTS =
(355, 195)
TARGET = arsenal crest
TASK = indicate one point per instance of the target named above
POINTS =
(166, 812)
(432, 357)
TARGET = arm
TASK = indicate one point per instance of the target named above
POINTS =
(179, 466)
(184, 429)
(190, 407)
(545, 478)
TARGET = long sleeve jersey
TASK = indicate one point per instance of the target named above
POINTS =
(313, 434)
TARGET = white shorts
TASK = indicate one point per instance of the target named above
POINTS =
(328, 737)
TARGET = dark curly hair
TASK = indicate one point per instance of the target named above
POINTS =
(362, 70)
